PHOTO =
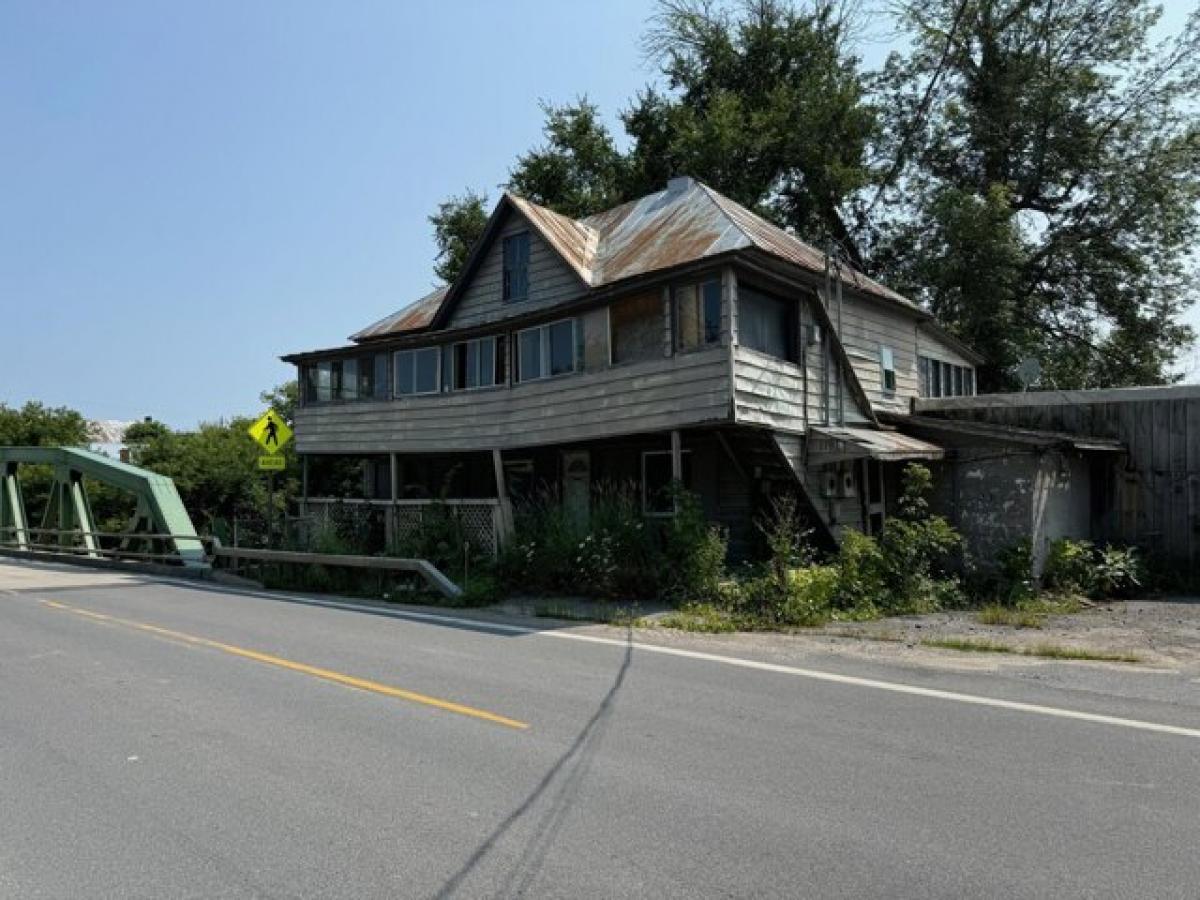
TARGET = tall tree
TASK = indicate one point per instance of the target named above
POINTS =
(457, 225)
(579, 170)
(1048, 183)
(763, 100)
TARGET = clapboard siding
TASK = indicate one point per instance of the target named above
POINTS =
(673, 392)
(929, 345)
(551, 281)
(767, 391)
(866, 328)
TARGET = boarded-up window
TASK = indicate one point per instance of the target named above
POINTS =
(698, 314)
(637, 327)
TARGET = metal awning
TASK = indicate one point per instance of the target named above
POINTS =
(828, 444)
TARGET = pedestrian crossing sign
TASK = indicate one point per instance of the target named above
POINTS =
(271, 432)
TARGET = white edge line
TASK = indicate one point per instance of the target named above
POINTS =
(740, 662)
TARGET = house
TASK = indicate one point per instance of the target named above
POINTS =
(676, 337)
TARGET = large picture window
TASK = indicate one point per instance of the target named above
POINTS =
(765, 324)
(418, 371)
(547, 350)
(697, 314)
(475, 364)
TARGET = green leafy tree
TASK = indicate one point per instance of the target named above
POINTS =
(1047, 181)
(762, 100)
(37, 425)
(579, 170)
(457, 225)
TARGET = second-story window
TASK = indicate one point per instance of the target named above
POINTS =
(767, 324)
(697, 314)
(887, 370)
(477, 363)
(418, 371)
(547, 350)
(516, 267)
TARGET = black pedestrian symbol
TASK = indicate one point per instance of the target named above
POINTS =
(272, 435)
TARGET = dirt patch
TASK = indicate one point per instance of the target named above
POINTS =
(1162, 633)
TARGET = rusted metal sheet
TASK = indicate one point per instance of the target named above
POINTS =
(685, 223)
(574, 241)
(413, 317)
(828, 444)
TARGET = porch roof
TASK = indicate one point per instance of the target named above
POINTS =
(832, 443)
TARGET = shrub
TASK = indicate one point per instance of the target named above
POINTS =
(1117, 572)
(862, 573)
(1069, 566)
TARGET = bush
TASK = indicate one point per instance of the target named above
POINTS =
(862, 573)
(1069, 566)
(1117, 573)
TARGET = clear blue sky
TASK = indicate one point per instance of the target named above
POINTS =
(188, 190)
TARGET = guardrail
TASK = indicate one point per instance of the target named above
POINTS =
(56, 546)
(427, 570)
(78, 543)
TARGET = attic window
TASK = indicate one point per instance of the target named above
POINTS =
(516, 267)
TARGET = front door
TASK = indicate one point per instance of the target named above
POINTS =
(577, 483)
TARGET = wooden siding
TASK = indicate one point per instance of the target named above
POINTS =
(674, 392)
(767, 391)
(551, 281)
(866, 328)
(1152, 499)
(929, 345)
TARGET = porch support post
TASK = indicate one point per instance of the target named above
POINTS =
(389, 520)
(676, 457)
(504, 522)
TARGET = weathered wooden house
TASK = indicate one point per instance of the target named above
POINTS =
(676, 337)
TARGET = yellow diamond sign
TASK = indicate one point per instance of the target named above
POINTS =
(271, 432)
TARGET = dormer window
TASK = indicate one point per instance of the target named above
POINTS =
(516, 267)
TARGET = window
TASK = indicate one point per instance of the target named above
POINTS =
(356, 378)
(765, 324)
(945, 379)
(657, 499)
(636, 327)
(475, 364)
(697, 314)
(547, 350)
(887, 367)
(516, 267)
(417, 371)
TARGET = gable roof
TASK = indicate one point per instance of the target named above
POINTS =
(686, 222)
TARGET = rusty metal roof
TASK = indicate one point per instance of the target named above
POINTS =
(688, 221)
(574, 240)
(413, 317)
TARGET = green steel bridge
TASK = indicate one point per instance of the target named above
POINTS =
(159, 530)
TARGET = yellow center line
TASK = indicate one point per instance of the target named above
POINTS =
(351, 681)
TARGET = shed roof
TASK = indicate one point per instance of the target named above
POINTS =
(686, 222)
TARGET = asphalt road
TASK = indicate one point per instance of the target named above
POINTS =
(160, 739)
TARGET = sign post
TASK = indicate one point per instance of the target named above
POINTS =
(272, 434)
